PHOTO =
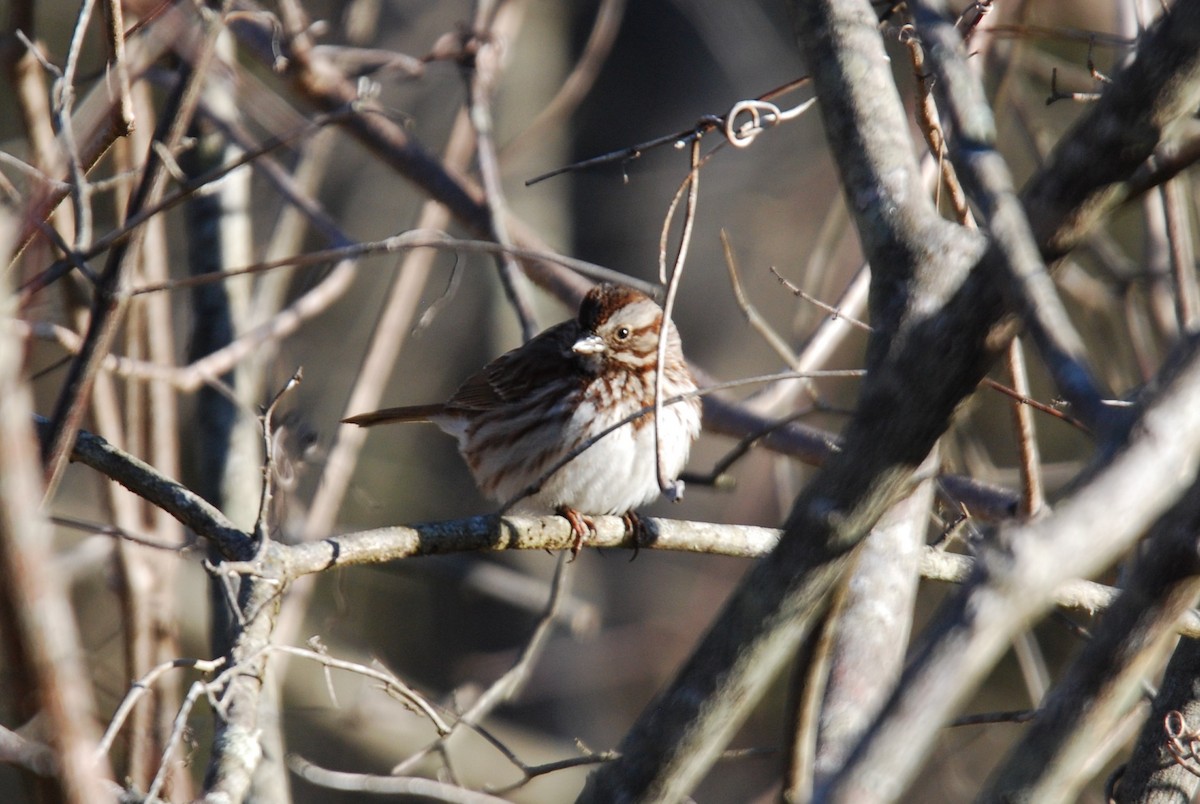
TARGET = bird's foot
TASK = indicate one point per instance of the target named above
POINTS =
(581, 526)
(635, 526)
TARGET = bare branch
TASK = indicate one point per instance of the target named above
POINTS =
(1027, 282)
(389, 785)
(1147, 475)
(1103, 681)
(35, 611)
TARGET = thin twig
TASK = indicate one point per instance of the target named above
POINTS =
(1041, 407)
(390, 682)
(186, 189)
(413, 239)
(930, 124)
(114, 18)
(1033, 497)
(111, 298)
(116, 532)
(1056, 94)
(834, 312)
(64, 104)
(1182, 252)
(175, 737)
(483, 73)
(389, 785)
(262, 533)
(1025, 31)
(509, 685)
(576, 86)
(672, 488)
(530, 772)
(141, 687)
(680, 138)
(1013, 247)
(990, 718)
(755, 319)
(717, 477)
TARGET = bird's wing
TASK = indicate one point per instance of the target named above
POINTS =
(515, 375)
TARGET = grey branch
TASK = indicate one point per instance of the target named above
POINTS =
(1144, 477)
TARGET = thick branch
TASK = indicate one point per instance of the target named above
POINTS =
(927, 353)
(192, 510)
(41, 638)
(1090, 171)
(494, 533)
(1107, 677)
(985, 175)
(1153, 776)
(237, 750)
(1014, 583)
(873, 627)
(928, 311)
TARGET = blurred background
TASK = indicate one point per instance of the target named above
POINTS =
(451, 625)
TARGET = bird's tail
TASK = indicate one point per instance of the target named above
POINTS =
(410, 413)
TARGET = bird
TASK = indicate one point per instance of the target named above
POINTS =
(519, 417)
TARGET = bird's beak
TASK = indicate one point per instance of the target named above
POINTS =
(589, 345)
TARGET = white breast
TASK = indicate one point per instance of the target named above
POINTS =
(618, 473)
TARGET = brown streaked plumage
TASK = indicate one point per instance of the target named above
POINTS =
(527, 409)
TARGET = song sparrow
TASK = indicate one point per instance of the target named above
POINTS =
(527, 409)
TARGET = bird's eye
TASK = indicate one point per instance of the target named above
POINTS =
(622, 333)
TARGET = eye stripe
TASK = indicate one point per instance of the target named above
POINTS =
(636, 332)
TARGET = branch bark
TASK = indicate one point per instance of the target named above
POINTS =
(931, 316)
(40, 633)
(924, 306)
(1107, 677)
(1125, 493)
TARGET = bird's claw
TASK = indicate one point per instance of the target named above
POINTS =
(581, 526)
(637, 528)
